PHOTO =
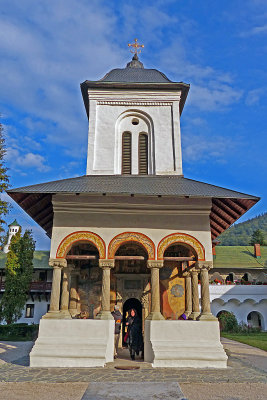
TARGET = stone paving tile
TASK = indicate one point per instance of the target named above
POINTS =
(239, 370)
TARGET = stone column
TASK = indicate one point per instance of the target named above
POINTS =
(188, 293)
(57, 265)
(206, 314)
(106, 266)
(195, 296)
(155, 313)
(74, 293)
(65, 295)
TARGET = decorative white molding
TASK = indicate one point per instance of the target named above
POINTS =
(133, 103)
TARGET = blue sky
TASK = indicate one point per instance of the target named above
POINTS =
(47, 48)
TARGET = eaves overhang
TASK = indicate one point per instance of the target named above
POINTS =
(227, 206)
(170, 86)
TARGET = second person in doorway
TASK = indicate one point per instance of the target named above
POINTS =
(135, 337)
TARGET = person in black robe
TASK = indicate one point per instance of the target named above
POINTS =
(135, 337)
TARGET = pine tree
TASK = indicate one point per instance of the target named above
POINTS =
(4, 207)
(19, 269)
(257, 237)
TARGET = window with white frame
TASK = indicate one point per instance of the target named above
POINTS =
(29, 311)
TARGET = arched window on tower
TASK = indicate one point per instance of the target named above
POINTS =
(126, 164)
(143, 154)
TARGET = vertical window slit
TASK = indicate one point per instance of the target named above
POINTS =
(126, 153)
(143, 154)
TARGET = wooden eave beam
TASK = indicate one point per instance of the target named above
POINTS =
(215, 228)
(44, 200)
(228, 210)
(222, 216)
(24, 199)
(40, 214)
(222, 226)
(241, 205)
(234, 207)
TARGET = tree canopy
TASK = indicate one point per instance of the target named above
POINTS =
(258, 237)
(3, 181)
(19, 269)
(240, 234)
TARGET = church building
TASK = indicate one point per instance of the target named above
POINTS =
(133, 231)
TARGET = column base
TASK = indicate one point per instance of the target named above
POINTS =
(155, 316)
(105, 315)
(52, 314)
(65, 314)
(194, 315)
(187, 313)
(73, 312)
(207, 317)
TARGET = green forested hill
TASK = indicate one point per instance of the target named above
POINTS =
(240, 234)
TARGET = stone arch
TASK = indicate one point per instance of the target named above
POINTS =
(124, 237)
(182, 238)
(255, 320)
(78, 236)
(149, 130)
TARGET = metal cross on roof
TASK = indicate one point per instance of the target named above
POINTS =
(136, 47)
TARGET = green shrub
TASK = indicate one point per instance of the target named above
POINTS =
(228, 322)
(21, 331)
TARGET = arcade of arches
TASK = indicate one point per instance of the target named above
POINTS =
(87, 285)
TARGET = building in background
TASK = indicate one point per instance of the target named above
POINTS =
(38, 300)
(13, 228)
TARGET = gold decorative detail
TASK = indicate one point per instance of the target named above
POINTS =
(69, 240)
(181, 238)
(136, 47)
(144, 240)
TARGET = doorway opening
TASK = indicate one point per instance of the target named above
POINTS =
(127, 306)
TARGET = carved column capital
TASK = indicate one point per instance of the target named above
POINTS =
(186, 273)
(205, 265)
(106, 263)
(194, 271)
(155, 263)
(57, 262)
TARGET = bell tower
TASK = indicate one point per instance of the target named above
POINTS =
(134, 121)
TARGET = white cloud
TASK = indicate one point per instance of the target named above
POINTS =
(201, 148)
(256, 30)
(253, 96)
(210, 89)
(20, 161)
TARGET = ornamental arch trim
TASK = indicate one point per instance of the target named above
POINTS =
(78, 236)
(140, 238)
(182, 238)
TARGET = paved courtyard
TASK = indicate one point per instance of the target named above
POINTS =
(245, 377)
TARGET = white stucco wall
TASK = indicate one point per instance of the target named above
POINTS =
(241, 300)
(111, 113)
(40, 308)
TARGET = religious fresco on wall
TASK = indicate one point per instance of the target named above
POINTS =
(172, 290)
(89, 289)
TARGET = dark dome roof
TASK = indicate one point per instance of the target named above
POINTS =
(135, 72)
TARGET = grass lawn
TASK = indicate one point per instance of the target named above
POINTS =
(252, 339)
